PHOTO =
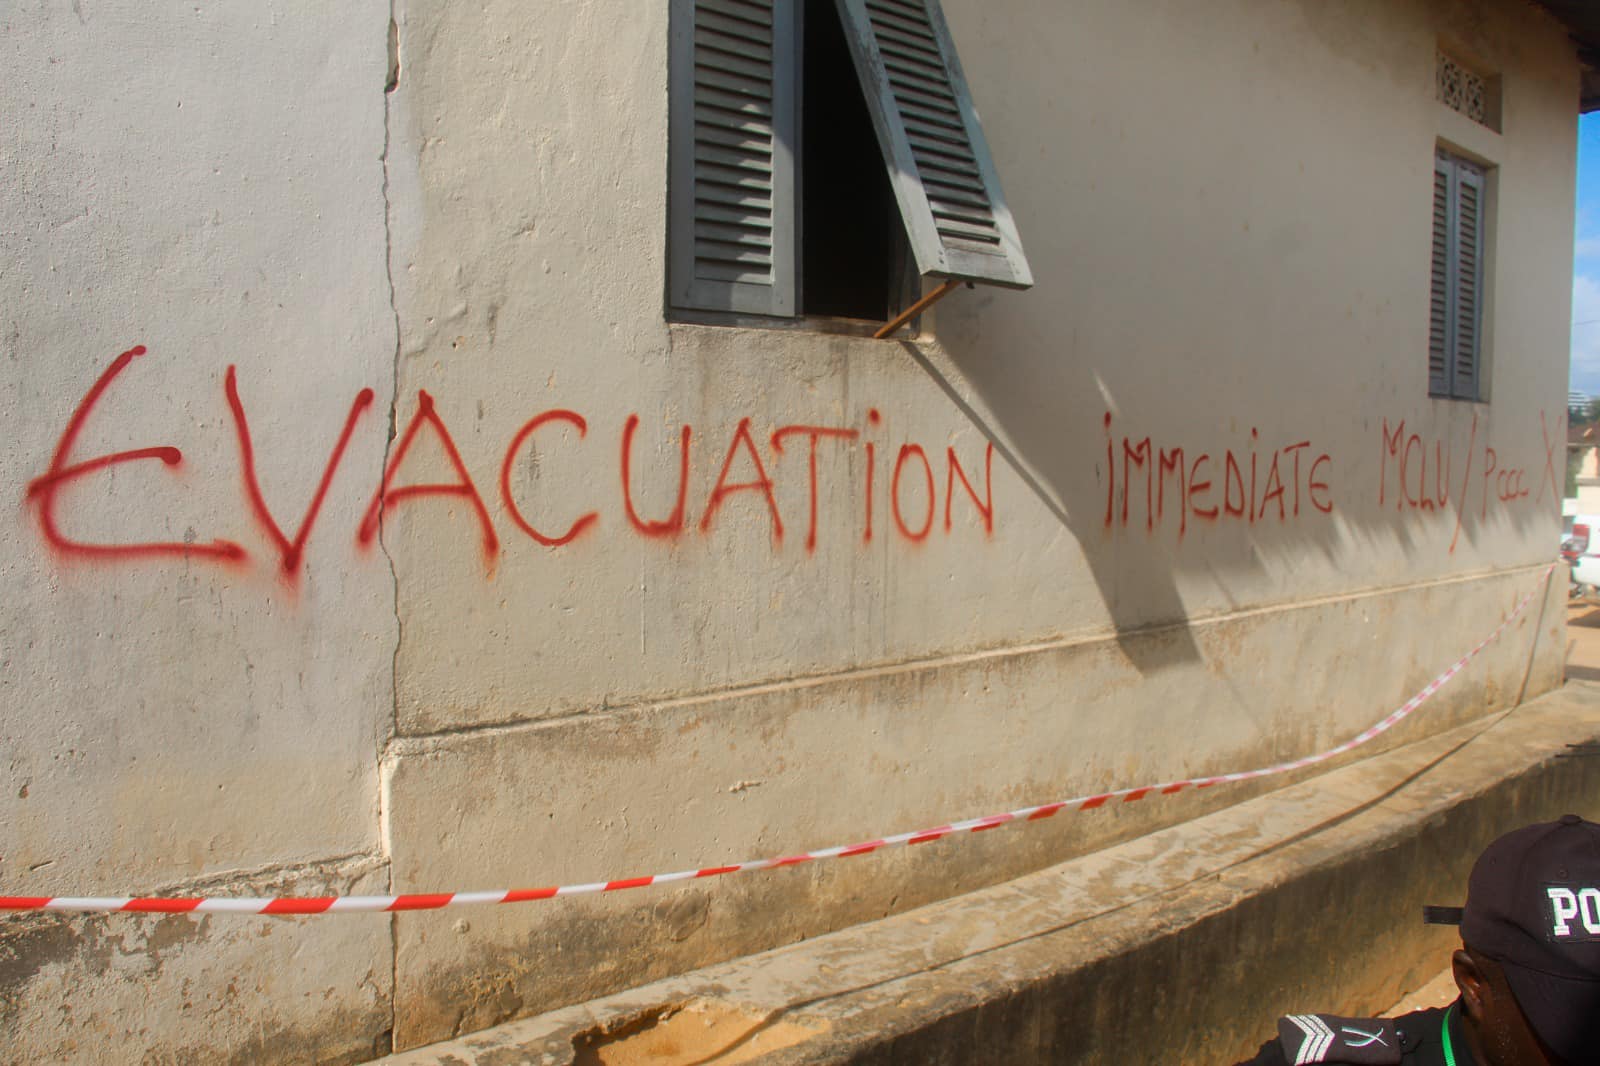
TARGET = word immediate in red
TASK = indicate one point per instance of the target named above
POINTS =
(1246, 487)
(912, 506)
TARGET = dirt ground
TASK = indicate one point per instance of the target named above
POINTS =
(690, 1035)
(1583, 642)
(1583, 664)
(1439, 992)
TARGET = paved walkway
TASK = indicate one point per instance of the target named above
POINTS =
(1439, 992)
(1583, 643)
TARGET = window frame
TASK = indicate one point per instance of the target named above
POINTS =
(1458, 173)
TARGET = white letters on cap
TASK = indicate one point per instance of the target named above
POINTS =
(1589, 908)
(1564, 902)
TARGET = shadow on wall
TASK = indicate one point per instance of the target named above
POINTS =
(1187, 291)
(1209, 493)
(1047, 465)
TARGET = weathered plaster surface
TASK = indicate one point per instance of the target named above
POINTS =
(1227, 214)
(1043, 968)
(695, 783)
(1199, 289)
(1245, 289)
(208, 988)
(204, 180)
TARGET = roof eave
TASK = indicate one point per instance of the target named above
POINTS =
(1582, 21)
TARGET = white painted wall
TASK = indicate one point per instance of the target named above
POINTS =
(205, 181)
(1227, 214)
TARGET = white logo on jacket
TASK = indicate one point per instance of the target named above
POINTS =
(1368, 1039)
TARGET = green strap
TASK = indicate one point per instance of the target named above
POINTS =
(1444, 1032)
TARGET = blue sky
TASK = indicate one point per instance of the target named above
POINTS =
(1586, 262)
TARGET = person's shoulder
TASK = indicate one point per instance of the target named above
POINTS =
(1334, 1040)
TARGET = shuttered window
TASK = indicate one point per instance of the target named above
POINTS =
(735, 232)
(1455, 324)
(944, 179)
(734, 130)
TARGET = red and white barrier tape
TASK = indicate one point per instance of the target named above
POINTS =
(436, 901)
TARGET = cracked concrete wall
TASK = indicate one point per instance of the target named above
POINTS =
(204, 181)
(464, 211)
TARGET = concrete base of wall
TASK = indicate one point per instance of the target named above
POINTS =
(851, 756)
(1183, 945)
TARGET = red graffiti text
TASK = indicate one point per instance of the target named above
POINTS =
(1150, 484)
(748, 476)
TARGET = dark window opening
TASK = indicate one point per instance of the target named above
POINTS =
(854, 252)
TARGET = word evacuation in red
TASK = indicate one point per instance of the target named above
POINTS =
(898, 495)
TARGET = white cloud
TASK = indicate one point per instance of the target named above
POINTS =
(1585, 374)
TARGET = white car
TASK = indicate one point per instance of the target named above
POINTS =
(1583, 551)
(1586, 576)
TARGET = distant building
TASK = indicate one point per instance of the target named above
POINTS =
(1577, 402)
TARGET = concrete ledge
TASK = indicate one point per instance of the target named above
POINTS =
(1182, 945)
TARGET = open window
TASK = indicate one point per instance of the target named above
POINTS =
(825, 156)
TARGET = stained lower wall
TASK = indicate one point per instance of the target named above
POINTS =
(685, 784)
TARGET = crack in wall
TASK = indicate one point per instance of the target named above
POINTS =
(391, 83)
(347, 867)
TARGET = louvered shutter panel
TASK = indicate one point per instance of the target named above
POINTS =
(1468, 278)
(734, 120)
(944, 180)
(1439, 292)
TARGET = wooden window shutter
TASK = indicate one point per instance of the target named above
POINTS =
(1468, 247)
(1455, 322)
(1439, 309)
(733, 132)
(944, 179)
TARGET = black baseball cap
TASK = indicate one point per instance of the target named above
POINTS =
(1533, 906)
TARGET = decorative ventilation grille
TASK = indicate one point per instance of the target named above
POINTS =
(1462, 90)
